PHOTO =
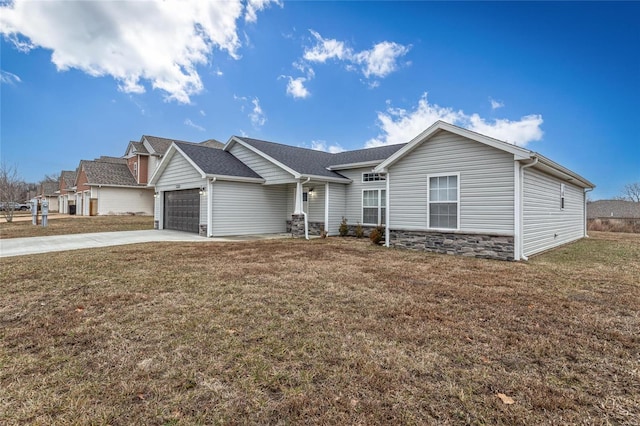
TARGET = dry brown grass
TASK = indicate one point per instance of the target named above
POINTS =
(332, 331)
(75, 225)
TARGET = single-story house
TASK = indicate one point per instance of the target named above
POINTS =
(613, 209)
(66, 191)
(106, 186)
(449, 190)
(48, 193)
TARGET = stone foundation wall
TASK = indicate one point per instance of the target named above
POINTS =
(472, 245)
(365, 229)
(203, 230)
(297, 225)
(315, 228)
(156, 224)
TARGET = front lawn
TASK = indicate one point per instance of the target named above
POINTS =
(332, 331)
(62, 225)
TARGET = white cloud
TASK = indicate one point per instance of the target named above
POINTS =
(496, 104)
(7, 77)
(398, 125)
(257, 116)
(382, 59)
(190, 123)
(254, 6)
(326, 49)
(159, 42)
(379, 61)
(295, 87)
(322, 146)
(202, 113)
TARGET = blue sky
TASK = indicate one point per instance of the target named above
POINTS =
(81, 79)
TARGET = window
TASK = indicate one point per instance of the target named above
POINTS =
(443, 201)
(373, 177)
(562, 196)
(374, 203)
(135, 169)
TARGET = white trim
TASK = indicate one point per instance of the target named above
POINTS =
(210, 207)
(387, 214)
(362, 207)
(519, 153)
(235, 139)
(142, 186)
(517, 211)
(354, 165)
(429, 176)
(236, 178)
(380, 175)
(326, 207)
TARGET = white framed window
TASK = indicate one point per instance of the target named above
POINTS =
(562, 196)
(135, 169)
(443, 201)
(373, 177)
(374, 206)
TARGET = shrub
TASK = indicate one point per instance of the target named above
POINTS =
(344, 229)
(377, 235)
(359, 231)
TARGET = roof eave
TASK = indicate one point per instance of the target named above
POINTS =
(564, 173)
(235, 178)
(354, 165)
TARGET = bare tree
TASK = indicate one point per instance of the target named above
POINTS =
(12, 187)
(631, 192)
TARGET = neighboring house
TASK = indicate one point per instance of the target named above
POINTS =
(66, 191)
(48, 192)
(107, 186)
(449, 190)
(613, 209)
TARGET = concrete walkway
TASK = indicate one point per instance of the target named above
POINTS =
(34, 245)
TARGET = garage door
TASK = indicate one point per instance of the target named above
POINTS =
(182, 210)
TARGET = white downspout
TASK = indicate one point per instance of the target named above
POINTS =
(210, 206)
(326, 208)
(521, 248)
(299, 208)
(387, 215)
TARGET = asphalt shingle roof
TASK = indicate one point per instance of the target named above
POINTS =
(108, 172)
(613, 208)
(311, 162)
(49, 187)
(138, 147)
(212, 143)
(215, 161)
(68, 178)
(160, 145)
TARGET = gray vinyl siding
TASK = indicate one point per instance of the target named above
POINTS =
(315, 202)
(337, 204)
(353, 193)
(248, 208)
(271, 173)
(486, 184)
(545, 225)
(179, 172)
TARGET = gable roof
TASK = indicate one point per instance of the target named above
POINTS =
(136, 148)
(108, 172)
(313, 163)
(215, 162)
(212, 143)
(68, 178)
(158, 144)
(49, 187)
(540, 161)
(613, 209)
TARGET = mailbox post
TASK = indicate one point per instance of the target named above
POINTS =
(34, 211)
(45, 212)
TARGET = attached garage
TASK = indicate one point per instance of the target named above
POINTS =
(182, 210)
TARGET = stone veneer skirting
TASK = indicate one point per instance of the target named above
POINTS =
(315, 228)
(156, 224)
(203, 230)
(472, 245)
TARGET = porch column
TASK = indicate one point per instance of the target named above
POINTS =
(298, 207)
(326, 207)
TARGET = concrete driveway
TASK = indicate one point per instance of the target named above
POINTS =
(21, 246)
(34, 245)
